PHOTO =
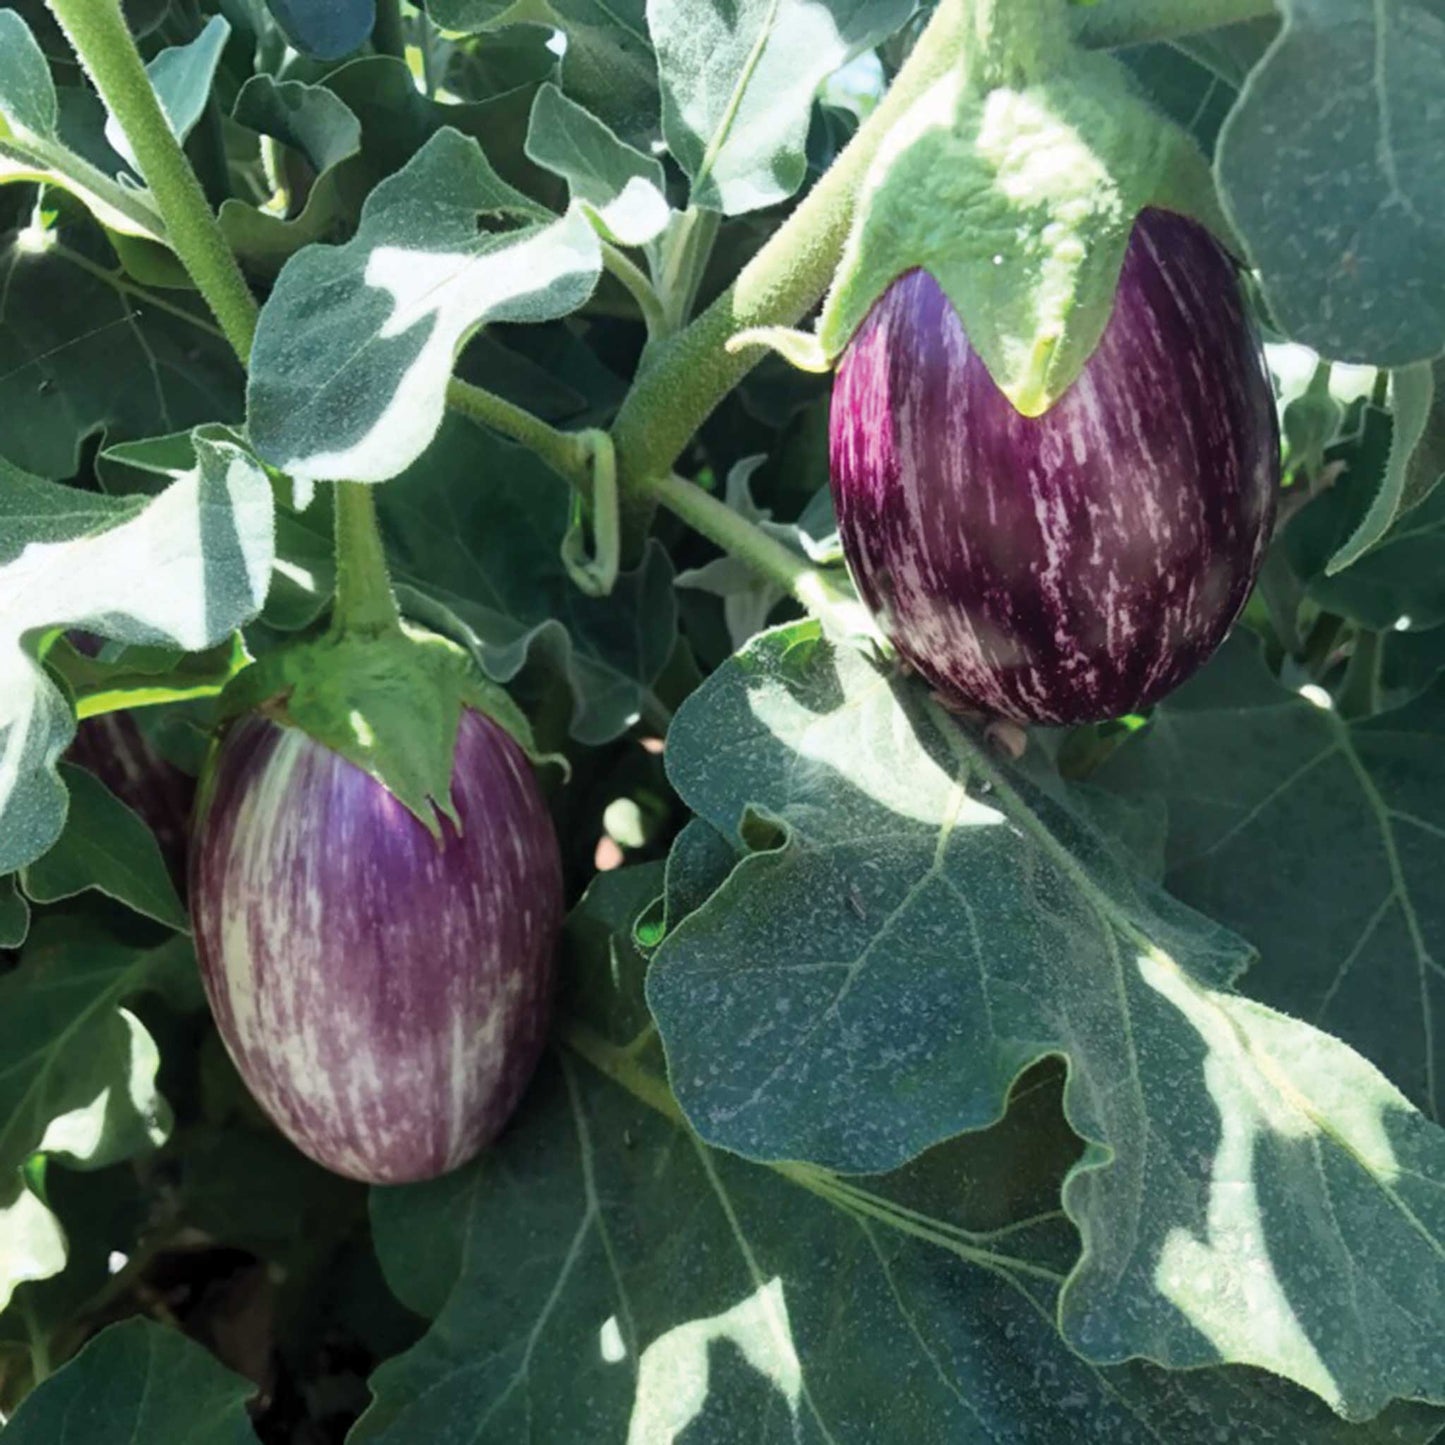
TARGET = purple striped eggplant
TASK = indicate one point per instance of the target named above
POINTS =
(1080, 564)
(384, 995)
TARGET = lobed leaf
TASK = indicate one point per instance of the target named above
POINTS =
(137, 1381)
(356, 344)
(922, 924)
(182, 569)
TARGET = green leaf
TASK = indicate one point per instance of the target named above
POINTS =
(145, 676)
(181, 76)
(325, 29)
(356, 343)
(1412, 397)
(923, 924)
(1400, 581)
(738, 81)
(181, 569)
(137, 1381)
(472, 17)
(623, 190)
(325, 134)
(83, 351)
(27, 93)
(474, 531)
(80, 1073)
(609, 65)
(14, 914)
(1335, 124)
(1321, 842)
(105, 846)
(601, 1274)
(1051, 176)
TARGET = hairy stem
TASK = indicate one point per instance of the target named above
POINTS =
(564, 452)
(737, 536)
(98, 33)
(1113, 23)
(692, 371)
(364, 599)
(638, 286)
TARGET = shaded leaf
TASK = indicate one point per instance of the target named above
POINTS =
(926, 923)
(137, 1381)
(14, 914)
(182, 569)
(325, 29)
(80, 1076)
(355, 345)
(609, 65)
(475, 528)
(105, 846)
(738, 81)
(1332, 167)
(83, 352)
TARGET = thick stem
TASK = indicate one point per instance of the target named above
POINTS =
(638, 286)
(564, 452)
(1113, 23)
(364, 599)
(692, 371)
(387, 35)
(97, 31)
(1360, 690)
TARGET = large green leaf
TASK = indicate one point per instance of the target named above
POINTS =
(602, 1275)
(1322, 842)
(137, 1381)
(1337, 124)
(79, 1078)
(182, 569)
(475, 527)
(83, 350)
(738, 81)
(356, 344)
(609, 65)
(917, 924)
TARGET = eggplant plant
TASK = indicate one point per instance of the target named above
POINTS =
(808, 641)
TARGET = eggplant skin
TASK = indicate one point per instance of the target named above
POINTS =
(1081, 564)
(384, 996)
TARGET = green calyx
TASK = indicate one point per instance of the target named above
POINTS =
(1015, 182)
(390, 702)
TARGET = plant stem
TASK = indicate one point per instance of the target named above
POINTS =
(692, 371)
(364, 599)
(1113, 23)
(564, 452)
(38, 159)
(636, 282)
(1360, 690)
(387, 35)
(737, 536)
(685, 257)
(97, 32)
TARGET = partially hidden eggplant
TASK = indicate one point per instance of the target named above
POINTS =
(1081, 564)
(385, 994)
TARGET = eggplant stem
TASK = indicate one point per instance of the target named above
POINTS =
(364, 599)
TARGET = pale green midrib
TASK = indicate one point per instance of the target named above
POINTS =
(724, 1200)
(119, 282)
(719, 136)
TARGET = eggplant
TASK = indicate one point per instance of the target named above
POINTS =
(385, 994)
(1081, 564)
